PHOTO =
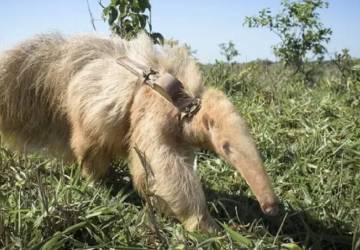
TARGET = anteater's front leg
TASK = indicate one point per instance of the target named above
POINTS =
(166, 177)
(163, 166)
(92, 157)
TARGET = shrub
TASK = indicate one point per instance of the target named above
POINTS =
(127, 18)
(299, 29)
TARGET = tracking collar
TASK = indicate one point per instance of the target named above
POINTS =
(165, 84)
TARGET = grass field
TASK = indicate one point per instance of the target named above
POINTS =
(309, 137)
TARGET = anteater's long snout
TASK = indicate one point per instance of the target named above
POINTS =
(219, 127)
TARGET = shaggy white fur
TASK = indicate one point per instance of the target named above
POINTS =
(71, 98)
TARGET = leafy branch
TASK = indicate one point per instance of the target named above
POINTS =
(128, 17)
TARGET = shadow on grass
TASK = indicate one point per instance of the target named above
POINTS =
(118, 180)
(299, 225)
(242, 210)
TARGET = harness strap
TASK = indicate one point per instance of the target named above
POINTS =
(132, 66)
(166, 85)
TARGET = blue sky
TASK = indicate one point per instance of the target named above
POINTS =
(203, 24)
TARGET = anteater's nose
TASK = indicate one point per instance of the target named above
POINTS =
(271, 206)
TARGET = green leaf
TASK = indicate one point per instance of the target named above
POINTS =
(356, 67)
(56, 241)
(291, 246)
(142, 20)
(135, 7)
(115, 2)
(123, 8)
(157, 38)
(238, 237)
(144, 4)
(106, 11)
(112, 14)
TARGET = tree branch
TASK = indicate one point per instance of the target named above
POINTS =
(92, 20)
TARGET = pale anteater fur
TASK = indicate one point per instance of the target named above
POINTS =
(70, 97)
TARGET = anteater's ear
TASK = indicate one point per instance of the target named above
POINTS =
(207, 121)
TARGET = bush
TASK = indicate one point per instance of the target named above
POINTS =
(299, 28)
(127, 18)
(348, 67)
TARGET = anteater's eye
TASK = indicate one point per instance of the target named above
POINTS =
(226, 147)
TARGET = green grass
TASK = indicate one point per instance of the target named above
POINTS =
(309, 137)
